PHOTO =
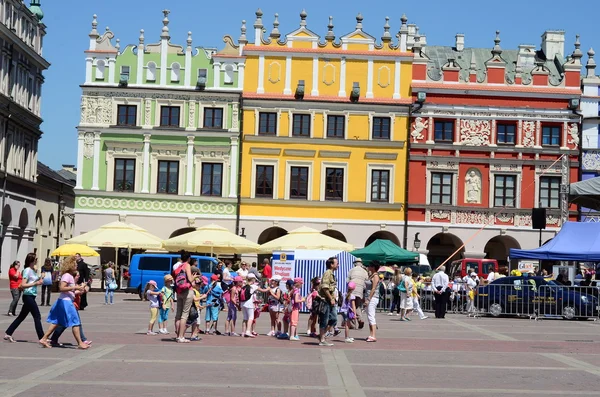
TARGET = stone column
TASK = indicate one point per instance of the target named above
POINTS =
(190, 166)
(146, 165)
(216, 74)
(80, 142)
(342, 91)
(233, 167)
(96, 170)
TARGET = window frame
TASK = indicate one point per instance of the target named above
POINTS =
(336, 117)
(268, 115)
(176, 192)
(256, 184)
(379, 199)
(170, 108)
(507, 202)
(339, 180)
(202, 184)
(546, 202)
(452, 123)
(127, 115)
(212, 109)
(442, 184)
(552, 128)
(498, 133)
(118, 180)
(389, 128)
(302, 116)
(289, 187)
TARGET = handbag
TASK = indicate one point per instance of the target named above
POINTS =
(112, 286)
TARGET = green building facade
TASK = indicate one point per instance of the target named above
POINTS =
(158, 139)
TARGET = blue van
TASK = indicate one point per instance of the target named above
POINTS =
(146, 267)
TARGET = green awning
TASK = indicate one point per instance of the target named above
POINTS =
(385, 251)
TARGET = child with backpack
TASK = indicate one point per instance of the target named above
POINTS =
(232, 297)
(166, 306)
(247, 301)
(274, 302)
(312, 307)
(152, 294)
(194, 317)
(296, 301)
(348, 311)
(213, 305)
(287, 309)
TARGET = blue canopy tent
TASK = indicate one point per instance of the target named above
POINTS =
(576, 241)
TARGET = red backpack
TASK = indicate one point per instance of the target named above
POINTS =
(181, 281)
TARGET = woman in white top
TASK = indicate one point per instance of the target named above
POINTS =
(373, 300)
(406, 301)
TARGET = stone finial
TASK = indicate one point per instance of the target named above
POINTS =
(141, 36)
(258, 22)
(330, 36)
(417, 45)
(577, 54)
(118, 44)
(590, 66)
(189, 41)
(387, 37)
(303, 16)
(496, 51)
(403, 24)
(359, 19)
(243, 39)
(275, 32)
(165, 29)
(94, 31)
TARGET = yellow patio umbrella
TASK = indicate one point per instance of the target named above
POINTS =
(211, 238)
(118, 235)
(72, 249)
(305, 238)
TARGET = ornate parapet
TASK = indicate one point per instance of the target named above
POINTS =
(506, 218)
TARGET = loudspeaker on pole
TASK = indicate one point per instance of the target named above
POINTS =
(538, 218)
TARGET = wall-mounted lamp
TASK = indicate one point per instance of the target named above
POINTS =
(300, 90)
(243, 232)
(421, 97)
(355, 93)
(574, 103)
(61, 208)
(417, 242)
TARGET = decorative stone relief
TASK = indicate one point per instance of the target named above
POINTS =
(573, 132)
(329, 74)
(147, 112)
(505, 167)
(591, 160)
(235, 114)
(160, 95)
(524, 220)
(475, 132)
(552, 220)
(473, 186)
(528, 134)
(96, 110)
(473, 217)
(419, 126)
(505, 217)
(383, 76)
(444, 165)
(192, 115)
(440, 214)
(149, 205)
(274, 72)
(88, 145)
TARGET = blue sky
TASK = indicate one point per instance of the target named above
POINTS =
(68, 24)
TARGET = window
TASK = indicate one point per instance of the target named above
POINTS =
(264, 181)
(125, 72)
(202, 76)
(444, 131)
(175, 72)
(213, 118)
(504, 193)
(228, 78)
(301, 125)
(380, 182)
(299, 183)
(151, 72)
(549, 191)
(505, 134)
(157, 263)
(169, 116)
(551, 135)
(124, 175)
(126, 115)
(336, 126)
(381, 128)
(100, 66)
(168, 177)
(334, 184)
(212, 179)
(267, 123)
(441, 188)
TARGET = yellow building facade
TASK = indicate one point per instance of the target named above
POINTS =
(324, 132)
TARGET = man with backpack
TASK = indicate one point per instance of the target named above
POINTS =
(327, 301)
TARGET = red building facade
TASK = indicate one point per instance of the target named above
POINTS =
(487, 145)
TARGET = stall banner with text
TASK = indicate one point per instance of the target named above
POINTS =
(283, 265)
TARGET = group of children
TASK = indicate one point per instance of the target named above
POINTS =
(283, 303)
